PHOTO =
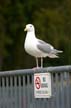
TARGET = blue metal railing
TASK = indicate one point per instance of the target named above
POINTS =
(17, 88)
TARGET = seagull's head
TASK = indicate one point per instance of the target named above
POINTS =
(29, 28)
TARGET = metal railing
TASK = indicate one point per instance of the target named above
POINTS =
(17, 88)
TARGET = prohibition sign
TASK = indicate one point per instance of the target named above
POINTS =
(37, 82)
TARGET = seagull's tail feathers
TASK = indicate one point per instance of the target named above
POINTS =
(57, 51)
(54, 53)
(53, 56)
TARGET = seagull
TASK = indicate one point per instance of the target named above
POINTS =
(38, 48)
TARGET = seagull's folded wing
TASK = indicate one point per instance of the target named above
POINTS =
(44, 47)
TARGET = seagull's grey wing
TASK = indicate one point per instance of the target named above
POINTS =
(44, 47)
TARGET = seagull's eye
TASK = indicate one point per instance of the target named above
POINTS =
(30, 26)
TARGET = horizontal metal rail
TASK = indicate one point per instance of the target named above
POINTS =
(66, 68)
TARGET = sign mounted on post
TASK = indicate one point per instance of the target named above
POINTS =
(42, 85)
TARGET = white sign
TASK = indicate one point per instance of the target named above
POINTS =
(42, 85)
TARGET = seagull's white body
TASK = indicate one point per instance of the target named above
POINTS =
(30, 46)
(36, 47)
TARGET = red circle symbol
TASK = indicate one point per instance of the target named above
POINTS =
(37, 82)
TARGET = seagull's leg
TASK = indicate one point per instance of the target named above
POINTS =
(37, 62)
(41, 62)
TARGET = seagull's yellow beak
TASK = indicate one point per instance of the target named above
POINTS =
(25, 29)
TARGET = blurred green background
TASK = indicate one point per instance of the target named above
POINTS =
(52, 20)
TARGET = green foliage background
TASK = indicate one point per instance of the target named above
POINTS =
(52, 20)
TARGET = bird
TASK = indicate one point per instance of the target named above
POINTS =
(38, 48)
